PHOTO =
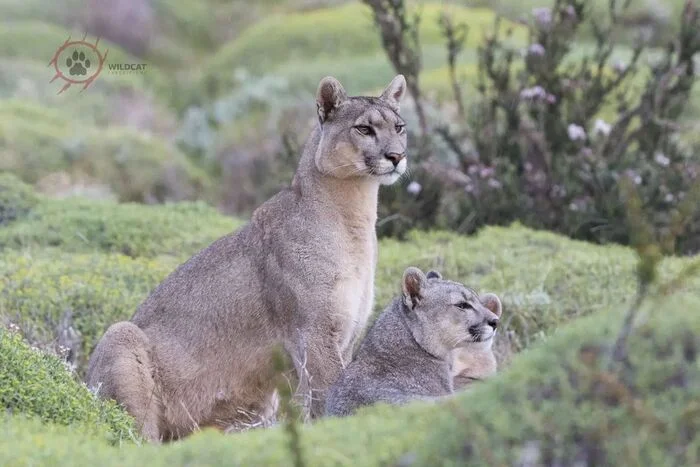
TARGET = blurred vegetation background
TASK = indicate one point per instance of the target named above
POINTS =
(577, 117)
(226, 101)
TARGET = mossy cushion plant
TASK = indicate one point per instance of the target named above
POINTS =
(82, 226)
(40, 290)
(36, 383)
(557, 404)
(16, 199)
(99, 260)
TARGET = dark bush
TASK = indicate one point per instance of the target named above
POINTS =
(552, 132)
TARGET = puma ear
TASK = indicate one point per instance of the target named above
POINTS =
(413, 283)
(492, 302)
(329, 95)
(393, 93)
(433, 275)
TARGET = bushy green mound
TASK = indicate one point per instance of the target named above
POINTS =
(110, 256)
(544, 279)
(137, 230)
(37, 142)
(35, 383)
(338, 33)
(47, 291)
(16, 199)
(556, 405)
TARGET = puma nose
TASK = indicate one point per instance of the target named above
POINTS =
(493, 323)
(394, 157)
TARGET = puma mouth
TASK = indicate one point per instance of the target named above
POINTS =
(389, 178)
(478, 335)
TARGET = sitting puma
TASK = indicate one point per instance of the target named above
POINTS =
(408, 351)
(199, 350)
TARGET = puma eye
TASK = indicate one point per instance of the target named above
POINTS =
(364, 130)
(399, 128)
(465, 306)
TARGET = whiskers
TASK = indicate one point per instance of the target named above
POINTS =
(356, 171)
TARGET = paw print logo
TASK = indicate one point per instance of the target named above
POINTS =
(77, 62)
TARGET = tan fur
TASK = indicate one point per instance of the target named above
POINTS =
(476, 361)
(198, 351)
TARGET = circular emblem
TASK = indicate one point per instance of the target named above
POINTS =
(77, 62)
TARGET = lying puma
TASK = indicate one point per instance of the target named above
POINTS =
(198, 351)
(407, 353)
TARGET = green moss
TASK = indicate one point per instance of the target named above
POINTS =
(82, 225)
(17, 199)
(38, 384)
(35, 142)
(556, 404)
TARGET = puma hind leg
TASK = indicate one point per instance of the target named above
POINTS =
(121, 368)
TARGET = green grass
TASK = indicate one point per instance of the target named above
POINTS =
(341, 33)
(38, 384)
(556, 403)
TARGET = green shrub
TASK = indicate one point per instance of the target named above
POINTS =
(544, 279)
(35, 383)
(88, 282)
(36, 142)
(556, 404)
(47, 291)
(17, 199)
(82, 225)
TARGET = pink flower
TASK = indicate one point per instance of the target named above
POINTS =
(493, 183)
(619, 67)
(576, 132)
(661, 159)
(536, 92)
(602, 127)
(543, 16)
(486, 172)
(536, 49)
(571, 11)
(636, 178)
(414, 188)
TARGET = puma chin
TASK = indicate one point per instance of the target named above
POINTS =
(395, 173)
